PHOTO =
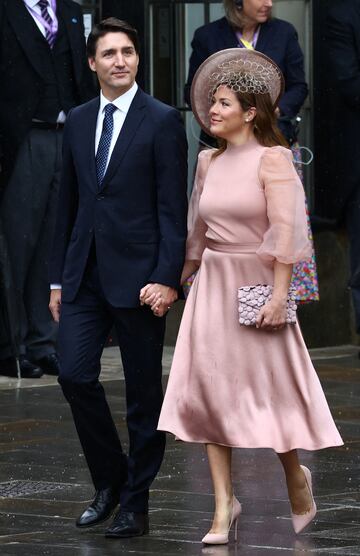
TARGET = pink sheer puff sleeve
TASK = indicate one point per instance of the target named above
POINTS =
(286, 239)
(197, 228)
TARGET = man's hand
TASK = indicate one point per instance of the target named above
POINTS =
(159, 297)
(55, 303)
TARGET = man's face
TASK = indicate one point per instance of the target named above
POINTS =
(116, 64)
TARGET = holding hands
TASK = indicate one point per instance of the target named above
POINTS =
(159, 297)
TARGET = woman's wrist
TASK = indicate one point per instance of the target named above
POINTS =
(279, 298)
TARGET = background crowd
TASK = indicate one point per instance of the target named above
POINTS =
(44, 71)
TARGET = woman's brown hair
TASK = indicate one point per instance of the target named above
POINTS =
(233, 14)
(266, 130)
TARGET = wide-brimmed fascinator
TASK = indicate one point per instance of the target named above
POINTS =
(240, 69)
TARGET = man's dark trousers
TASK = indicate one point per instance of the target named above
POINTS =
(84, 326)
(37, 84)
(28, 214)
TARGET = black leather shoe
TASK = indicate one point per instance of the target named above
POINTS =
(100, 509)
(128, 524)
(27, 370)
(49, 364)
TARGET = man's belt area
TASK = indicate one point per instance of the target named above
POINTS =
(47, 125)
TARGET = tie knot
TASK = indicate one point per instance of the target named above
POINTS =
(43, 3)
(109, 109)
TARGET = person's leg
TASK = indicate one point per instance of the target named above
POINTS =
(141, 337)
(220, 468)
(353, 229)
(23, 210)
(299, 494)
(42, 330)
(84, 327)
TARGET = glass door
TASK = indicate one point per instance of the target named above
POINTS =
(171, 26)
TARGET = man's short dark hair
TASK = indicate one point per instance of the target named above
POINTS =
(111, 25)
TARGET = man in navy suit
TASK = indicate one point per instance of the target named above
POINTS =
(120, 236)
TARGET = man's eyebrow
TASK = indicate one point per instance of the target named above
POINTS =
(108, 51)
(123, 49)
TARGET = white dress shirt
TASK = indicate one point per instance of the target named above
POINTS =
(122, 104)
(33, 5)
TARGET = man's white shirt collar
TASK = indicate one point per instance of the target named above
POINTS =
(122, 102)
(31, 3)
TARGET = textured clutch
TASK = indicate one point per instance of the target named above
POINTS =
(253, 298)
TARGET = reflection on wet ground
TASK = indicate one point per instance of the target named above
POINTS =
(44, 483)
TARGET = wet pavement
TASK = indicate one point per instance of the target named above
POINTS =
(44, 483)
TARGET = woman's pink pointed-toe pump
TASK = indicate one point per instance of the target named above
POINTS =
(300, 521)
(223, 538)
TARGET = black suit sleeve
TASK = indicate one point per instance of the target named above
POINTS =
(344, 55)
(199, 54)
(67, 208)
(296, 89)
(170, 151)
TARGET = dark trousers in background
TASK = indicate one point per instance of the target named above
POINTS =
(84, 327)
(28, 212)
(353, 229)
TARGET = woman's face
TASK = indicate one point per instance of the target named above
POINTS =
(227, 118)
(258, 11)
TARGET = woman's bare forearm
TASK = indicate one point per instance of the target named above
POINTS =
(282, 278)
(189, 268)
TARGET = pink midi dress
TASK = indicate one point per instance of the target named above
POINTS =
(230, 384)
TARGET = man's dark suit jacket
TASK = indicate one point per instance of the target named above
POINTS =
(277, 39)
(138, 217)
(21, 69)
(343, 46)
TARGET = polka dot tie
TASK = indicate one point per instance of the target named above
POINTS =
(105, 141)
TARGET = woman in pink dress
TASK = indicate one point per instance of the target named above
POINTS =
(232, 385)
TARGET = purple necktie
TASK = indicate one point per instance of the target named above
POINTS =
(49, 34)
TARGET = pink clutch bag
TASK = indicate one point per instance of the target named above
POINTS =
(253, 298)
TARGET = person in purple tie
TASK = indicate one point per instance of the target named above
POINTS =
(44, 74)
(119, 247)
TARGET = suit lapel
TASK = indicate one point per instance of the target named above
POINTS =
(89, 130)
(227, 35)
(131, 124)
(26, 31)
(264, 35)
(72, 23)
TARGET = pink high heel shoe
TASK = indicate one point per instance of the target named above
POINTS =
(300, 521)
(223, 538)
